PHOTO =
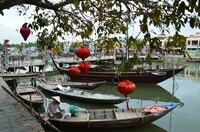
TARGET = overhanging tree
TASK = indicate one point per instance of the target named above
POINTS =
(106, 18)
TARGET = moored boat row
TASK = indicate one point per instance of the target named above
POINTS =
(143, 77)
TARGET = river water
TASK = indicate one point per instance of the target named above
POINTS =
(183, 88)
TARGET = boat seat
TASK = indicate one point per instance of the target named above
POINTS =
(102, 114)
(125, 114)
(26, 90)
(33, 97)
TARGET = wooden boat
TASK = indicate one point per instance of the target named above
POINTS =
(83, 95)
(30, 94)
(81, 85)
(112, 118)
(142, 77)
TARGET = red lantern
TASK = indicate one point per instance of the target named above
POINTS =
(84, 67)
(74, 71)
(83, 52)
(8, 51)
(7, 44)
(126, 87)
(25, 31)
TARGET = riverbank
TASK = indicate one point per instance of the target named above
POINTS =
(14, 117)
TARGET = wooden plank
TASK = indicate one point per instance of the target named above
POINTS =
(125, 114)
(26, 90)
(33, 97)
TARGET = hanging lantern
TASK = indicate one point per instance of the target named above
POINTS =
(83, 52)
(84, 67)
(74, 71)
(7, 44)
(126, 87)
(8, 51)
(25, 31)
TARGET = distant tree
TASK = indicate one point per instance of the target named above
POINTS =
(106, 18)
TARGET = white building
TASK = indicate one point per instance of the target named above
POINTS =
(193, 44)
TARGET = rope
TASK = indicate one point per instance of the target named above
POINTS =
(127, 101)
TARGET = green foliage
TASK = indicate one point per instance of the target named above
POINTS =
(1, 12)
(105, 19)
(149, 59)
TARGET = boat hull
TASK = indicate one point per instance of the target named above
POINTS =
(110, 76)
(106, 119)
(83, 95)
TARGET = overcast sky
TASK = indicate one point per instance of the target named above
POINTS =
(11, 23)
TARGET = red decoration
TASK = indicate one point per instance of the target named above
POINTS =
(8, 49)
(83, 52)
(8, 52)
(7, 44)
(126, 87)
(25, 31)
(74, 71)
(84, 67)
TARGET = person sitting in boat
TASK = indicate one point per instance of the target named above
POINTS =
(41, 75)
(54, 106)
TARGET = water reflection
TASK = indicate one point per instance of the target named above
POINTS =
(192, 71)
(142, 128)
(153, 93)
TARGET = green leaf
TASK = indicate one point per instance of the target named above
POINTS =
(83, 6)
(76, 3)
(148, 60)
(181, 8)
(192, 22)
(1, 12)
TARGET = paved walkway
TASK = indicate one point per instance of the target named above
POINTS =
(13, 116)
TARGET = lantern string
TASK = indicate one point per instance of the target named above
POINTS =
(26, 9)
(127, 101)
(85, 74)
(85, 78)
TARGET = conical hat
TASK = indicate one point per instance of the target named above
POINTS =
(41, 70)
(57, 98)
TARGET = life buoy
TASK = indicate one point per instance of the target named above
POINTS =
(115, 80)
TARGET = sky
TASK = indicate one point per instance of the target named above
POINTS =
(11, 23)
